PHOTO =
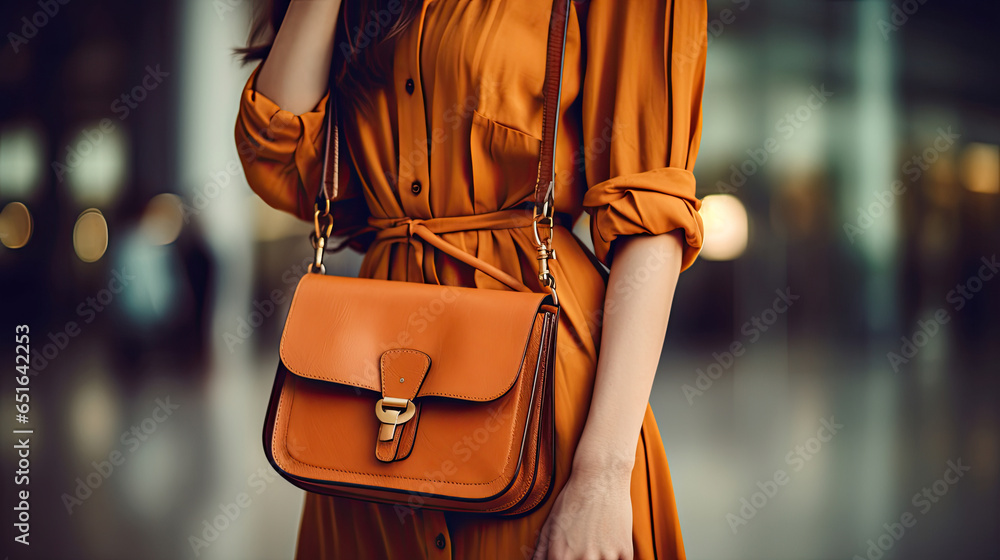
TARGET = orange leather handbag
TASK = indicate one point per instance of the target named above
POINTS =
(424, 395)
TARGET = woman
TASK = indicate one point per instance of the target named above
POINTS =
(440, 106)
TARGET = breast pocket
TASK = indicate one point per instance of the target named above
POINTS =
(504, 164)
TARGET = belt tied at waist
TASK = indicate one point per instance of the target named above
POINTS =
(405, 229)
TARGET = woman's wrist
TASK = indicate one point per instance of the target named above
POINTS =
(597, 459)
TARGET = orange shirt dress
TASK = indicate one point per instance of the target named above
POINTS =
(453, 139)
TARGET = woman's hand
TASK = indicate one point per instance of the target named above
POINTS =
(591, 518)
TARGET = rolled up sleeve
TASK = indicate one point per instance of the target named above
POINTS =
(280, 151)
(642, 88)
(282, 157)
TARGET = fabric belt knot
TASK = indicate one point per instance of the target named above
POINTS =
(409, 225)
(415, 231)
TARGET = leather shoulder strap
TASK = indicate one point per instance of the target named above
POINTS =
(555, 53)
(545, 183)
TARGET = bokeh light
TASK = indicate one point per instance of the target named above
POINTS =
(90, 235)
(163, 219)
(726, 227)
(21, 160)
(15, 225)
(93, 164)
(94, 415)
(980, 168)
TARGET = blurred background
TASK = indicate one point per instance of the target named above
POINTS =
(828, 386)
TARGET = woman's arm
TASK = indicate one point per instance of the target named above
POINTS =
(635, 322)
(592, 517)
(281, 123)
(296, 73)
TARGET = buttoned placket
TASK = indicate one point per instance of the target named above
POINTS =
(413, 186)
(412, 179)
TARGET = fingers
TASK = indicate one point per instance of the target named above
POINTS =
(541, 547)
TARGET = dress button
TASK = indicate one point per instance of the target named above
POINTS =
(415, 187)
(409, 87)
(439, 541)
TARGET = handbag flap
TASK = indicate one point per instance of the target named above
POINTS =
(338, 328)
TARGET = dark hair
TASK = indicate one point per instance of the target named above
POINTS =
(368, 25)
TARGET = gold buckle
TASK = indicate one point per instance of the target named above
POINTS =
(392, 418)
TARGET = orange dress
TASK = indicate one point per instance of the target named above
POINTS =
(457, 133)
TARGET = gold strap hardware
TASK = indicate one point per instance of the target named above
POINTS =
(392, 418)
(545, 251)
(319, 236)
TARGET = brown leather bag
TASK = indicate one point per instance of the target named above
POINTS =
(424, 395)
